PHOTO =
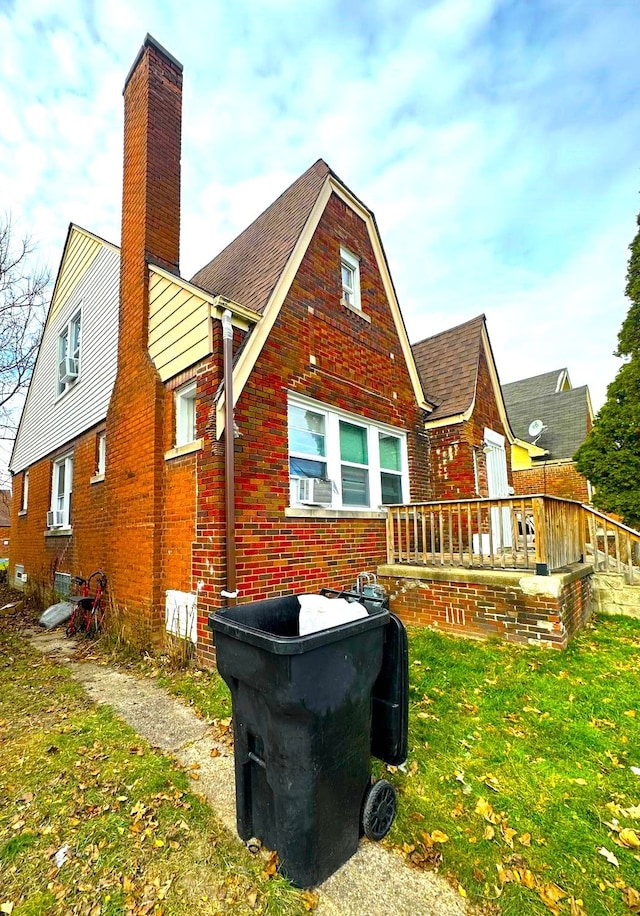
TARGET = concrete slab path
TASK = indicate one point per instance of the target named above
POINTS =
(375, 881)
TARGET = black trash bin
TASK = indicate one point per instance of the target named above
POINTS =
(303, 728)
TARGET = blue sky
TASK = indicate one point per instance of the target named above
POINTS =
(495, 140)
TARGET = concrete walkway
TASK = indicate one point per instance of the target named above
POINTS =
(374, 881)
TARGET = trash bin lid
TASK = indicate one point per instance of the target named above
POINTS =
(272, 625)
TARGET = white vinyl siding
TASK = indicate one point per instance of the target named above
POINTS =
(49, 420)
(179, 326)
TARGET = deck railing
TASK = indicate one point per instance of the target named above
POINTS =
(612, 546)
(538, 533)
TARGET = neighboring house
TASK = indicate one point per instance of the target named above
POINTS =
(5, 523)
(121, 459)
(564, 419)
(470, 439)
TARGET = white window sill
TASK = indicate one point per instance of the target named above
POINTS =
(323, 512)
(22, 512)
(97, 478)
(187, 449)
(356, 311)
(58, 532)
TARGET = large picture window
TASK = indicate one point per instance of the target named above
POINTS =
(344, 462)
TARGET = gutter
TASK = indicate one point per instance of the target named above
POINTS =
(230, 591)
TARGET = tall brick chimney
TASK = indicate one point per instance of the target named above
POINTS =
(150, 233)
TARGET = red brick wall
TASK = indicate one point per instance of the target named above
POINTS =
(482, 609)
(354, 371)
(562, 480)
(43, 553)
(135, 422)
(452, 447)
(5, 535)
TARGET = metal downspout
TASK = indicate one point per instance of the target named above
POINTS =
(229, 592)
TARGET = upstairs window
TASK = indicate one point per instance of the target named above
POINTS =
(69, 354)
(350, 269)
(344, 462)
(186, 414)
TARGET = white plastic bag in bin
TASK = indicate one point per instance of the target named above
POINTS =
(317, 612)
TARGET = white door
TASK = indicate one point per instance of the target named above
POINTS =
(498, 483)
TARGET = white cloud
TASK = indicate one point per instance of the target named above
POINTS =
(495, 141)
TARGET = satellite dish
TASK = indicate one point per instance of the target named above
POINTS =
(535, 428)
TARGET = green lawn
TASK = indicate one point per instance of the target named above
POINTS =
(523, 778)
(523, 761)
(94, 822)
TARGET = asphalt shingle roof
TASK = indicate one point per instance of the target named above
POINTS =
(525, 388)
(564, 413)
(248, 269)
(448, 367)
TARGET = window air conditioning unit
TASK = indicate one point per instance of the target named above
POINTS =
(314, 491)
(55, 518)
(68, 369)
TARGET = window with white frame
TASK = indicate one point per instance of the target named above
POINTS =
(342, 461)
(60, 514)
(69, 354)
(186, 414)
(350, 270)
(24, 496)
(101, 454)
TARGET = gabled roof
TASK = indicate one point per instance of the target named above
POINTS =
(546, 383)
(566, 416)
(448, 367)
(256, 269)
(248, 269)
(87, 281)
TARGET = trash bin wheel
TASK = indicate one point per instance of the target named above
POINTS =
(379, 810)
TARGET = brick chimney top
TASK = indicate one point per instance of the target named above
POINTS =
(150, 42)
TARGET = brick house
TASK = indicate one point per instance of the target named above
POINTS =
(470, 438)
(566, 417)
(289, 345)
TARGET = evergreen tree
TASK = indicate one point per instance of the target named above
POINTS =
(610, 456)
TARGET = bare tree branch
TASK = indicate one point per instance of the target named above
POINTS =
(23, 294)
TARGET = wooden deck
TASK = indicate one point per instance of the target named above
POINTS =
(537, 533)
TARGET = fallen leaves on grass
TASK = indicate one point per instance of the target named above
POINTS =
(609, 856)
(632, 899)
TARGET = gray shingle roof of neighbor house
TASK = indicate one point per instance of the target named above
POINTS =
(448, 367)
(546, 383)
(565, 415)
(248, 269)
